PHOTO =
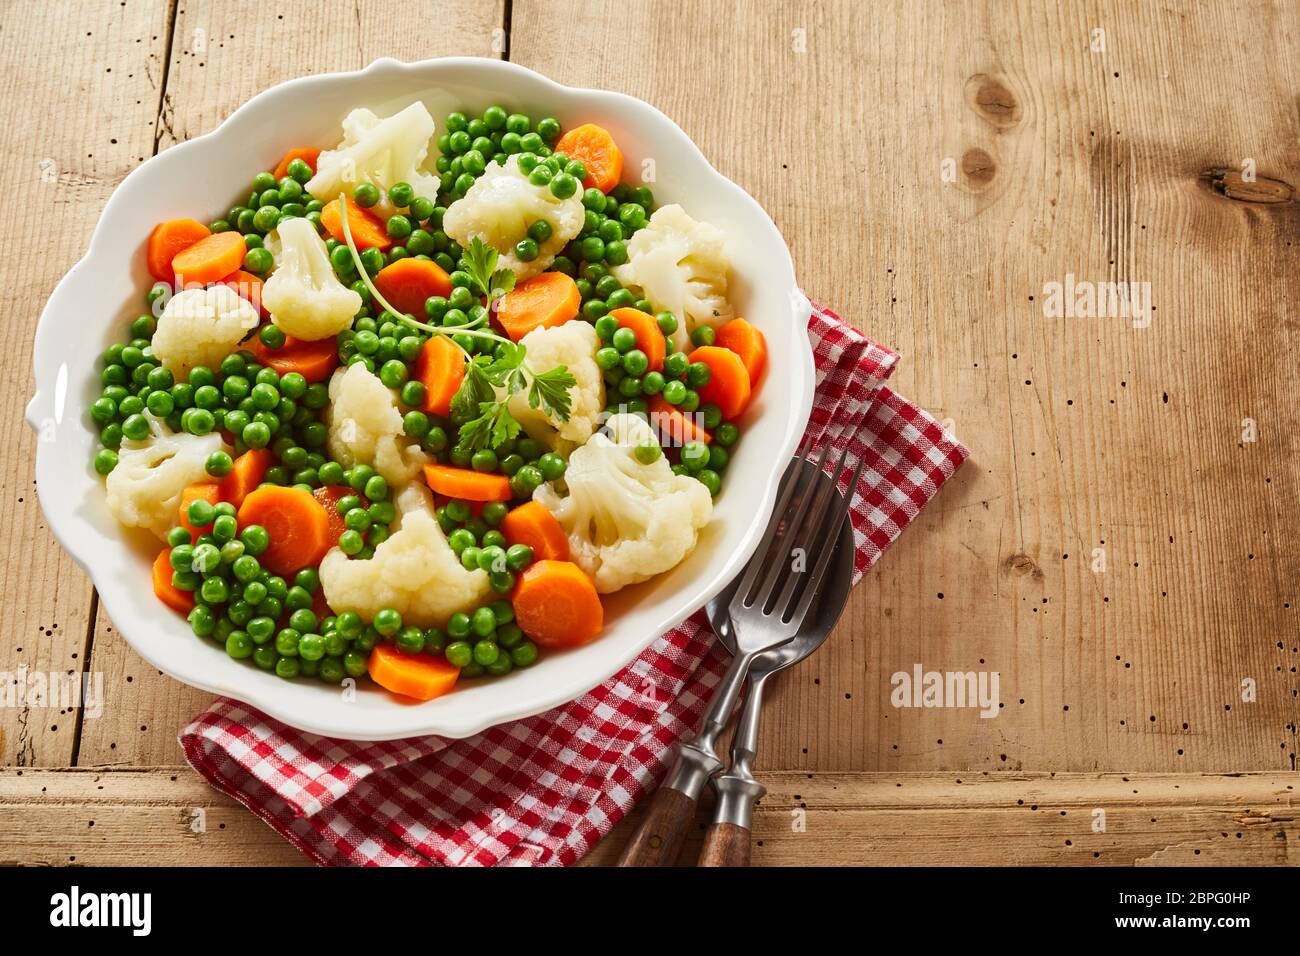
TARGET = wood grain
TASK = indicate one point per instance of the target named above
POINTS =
(150, 817)
(106, 72)
(1092, 440)
(1086, 434)
(657, 840)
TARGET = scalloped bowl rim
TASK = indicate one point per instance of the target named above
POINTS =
(320, 712)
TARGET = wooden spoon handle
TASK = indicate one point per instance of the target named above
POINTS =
(658, 839)
(726, 844)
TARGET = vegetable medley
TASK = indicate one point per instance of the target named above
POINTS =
(411, 418)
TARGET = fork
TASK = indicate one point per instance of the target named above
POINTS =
(763, 618)
(727, 839)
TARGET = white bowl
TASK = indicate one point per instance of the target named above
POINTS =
(93, 303)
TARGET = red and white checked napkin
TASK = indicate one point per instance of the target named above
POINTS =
(543, 790)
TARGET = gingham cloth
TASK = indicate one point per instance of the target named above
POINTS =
(544, 790)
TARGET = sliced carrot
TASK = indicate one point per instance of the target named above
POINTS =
(296, 524)
(314, 361)
(407, 282)
(747, 342)
(247, 286)
(557, 605)
(210, 259)
(248, 472)
(542, 302)
(649, 339)
(168, 593)
(204, 492)
(411, 675)
(466, 483)
(440, 366)
(308, 154)
(598, 152)
(676, 427)
(728, 386)
(328, 496)
(167, 240)
(367, 229)
(533, 525)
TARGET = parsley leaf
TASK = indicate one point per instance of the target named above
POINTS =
(480, 261)
(475, 389)
(550, 389)
(493, 427)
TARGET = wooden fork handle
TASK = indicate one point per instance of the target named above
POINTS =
(658, 839)
(726, 844)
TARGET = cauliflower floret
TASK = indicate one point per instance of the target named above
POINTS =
(500, 207)
(365, 427)
(305, 298)
(144, 490)
(572, 345)
(201, 327)
(681, 265)
(413, 571)
(381, 152)
(626, 521)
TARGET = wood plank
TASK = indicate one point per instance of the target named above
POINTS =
(129, 818)
(87, 120)
(221, 58)
(1086, 434)
(146, 817)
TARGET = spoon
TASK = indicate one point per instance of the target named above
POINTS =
(727, 841)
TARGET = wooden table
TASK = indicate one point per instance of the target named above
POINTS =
(1117, 548)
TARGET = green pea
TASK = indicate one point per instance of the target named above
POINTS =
(387, 622)
(648, 452)
(401, 194)
(548, 128)
(726, 434)
(483, 622)
(399, 227)
(526, 249)
(698, 374)
(365, 195)
(702, 336)
(202, 621)
(675, 365)
(458, 653)
(518, 557)
(695, 455)
(525, 655)
(652, 383)
(710, 479)
(105, 461)
(458, 626)
(393, 373)
(224, 528)
(103, 410)
(621, 299)
(674, 392)
(259, 261)
(711, 415)
(564, 186)
(552, 466)
(494, 513)
(690, 401)
(624, 339)
(635, 363)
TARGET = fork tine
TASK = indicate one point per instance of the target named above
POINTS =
(811, 533)
(783, 500)
(774, 562)
(824, 559)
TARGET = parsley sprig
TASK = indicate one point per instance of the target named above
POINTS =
(487, 419)
(487, 422)
(481, 264)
